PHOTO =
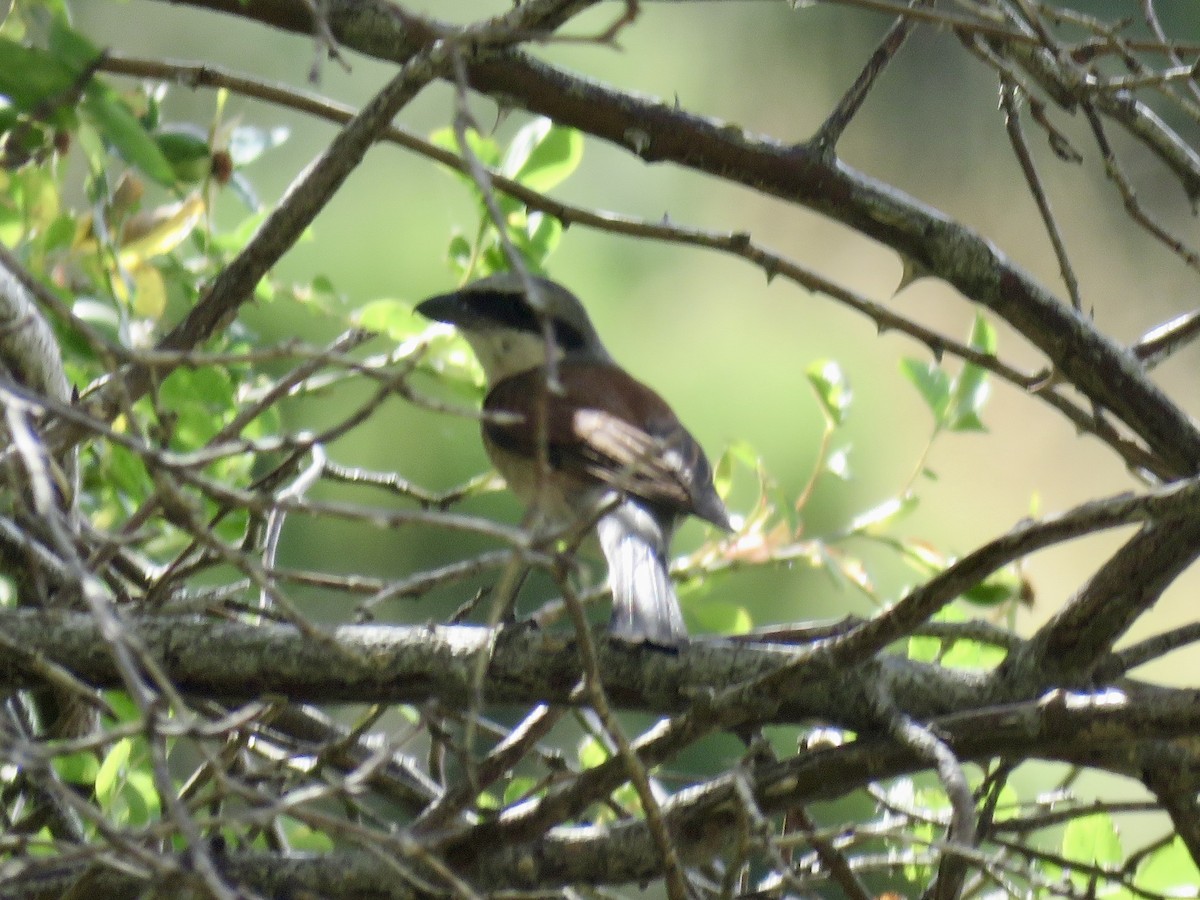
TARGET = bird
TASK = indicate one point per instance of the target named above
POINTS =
(580, 440)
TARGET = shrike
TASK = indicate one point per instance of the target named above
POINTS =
(584, 437)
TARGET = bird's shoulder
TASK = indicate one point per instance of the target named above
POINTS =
(601, 422)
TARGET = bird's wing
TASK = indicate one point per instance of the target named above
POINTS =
(607, 427)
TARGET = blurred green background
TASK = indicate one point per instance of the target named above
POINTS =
(707, 331)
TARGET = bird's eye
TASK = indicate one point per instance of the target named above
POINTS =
(567, 336)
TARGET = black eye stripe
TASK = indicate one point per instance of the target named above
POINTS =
(511, 311)
(567, 337)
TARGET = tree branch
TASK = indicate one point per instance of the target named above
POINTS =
(660, 132)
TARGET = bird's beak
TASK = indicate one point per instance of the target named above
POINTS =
(448, 308)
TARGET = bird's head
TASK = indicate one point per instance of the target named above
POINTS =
(506, 327)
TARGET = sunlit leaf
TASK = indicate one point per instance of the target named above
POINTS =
(921, 648)
(592, 753)
(923, 556)
(886, 514)
(517, 789)
(126, 473)
(542, 155)
(1170, 870)
(972, 655)
(971, 387)
(149, 293)
(522, 145)
(112, 770)
(832, 389)
(159, 231)
(1092, 839)
(983, 335)
(540, 239)
(837, 463)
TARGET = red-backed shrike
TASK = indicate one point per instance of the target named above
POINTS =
(592, 440)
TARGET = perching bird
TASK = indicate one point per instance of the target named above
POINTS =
(606, 441)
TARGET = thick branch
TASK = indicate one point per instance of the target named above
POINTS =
(1064, 727)
(1080, 635)
(409, 664)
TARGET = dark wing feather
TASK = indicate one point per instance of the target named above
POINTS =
(607, 427)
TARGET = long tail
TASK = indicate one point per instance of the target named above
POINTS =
(645, 608)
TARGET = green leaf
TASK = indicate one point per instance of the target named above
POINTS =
(112, 770)
(1170, 870)
(973, 655)
(122, 706)
(186, 149)
(200, 402)
(833, 391)
(487, 800)
(1092, 840)
(460, 254)
(933, 384)
(1009, 804)
(518, 788)
(924, 649)
(77, 768)
(542, 155)
(540, 238)
(71, 47)
(120, 127)
(140, 797)
(738, 453)
(60, 234)
(997, 588)
(983, 335)
(970, 389)
(126, 474)
(592, 753)
(32, 78)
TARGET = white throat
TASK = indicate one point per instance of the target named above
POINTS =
(503, 352)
